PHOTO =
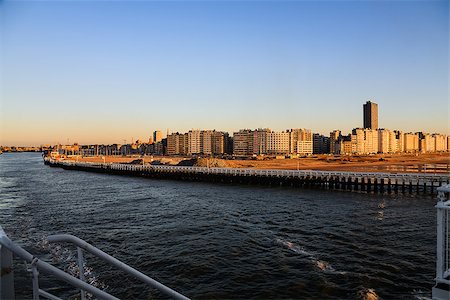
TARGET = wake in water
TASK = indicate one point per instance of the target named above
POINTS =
(321, 265)
(294, 248)
(68, 260)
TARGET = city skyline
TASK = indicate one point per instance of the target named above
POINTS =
(149, 136)
(369, 122)
(91, 72)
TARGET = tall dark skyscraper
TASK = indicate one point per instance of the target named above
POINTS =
(370, 110)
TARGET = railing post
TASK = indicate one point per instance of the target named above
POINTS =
(81, 268)
(7, 273)
(441, 289)
(440, 244)
(35, 278)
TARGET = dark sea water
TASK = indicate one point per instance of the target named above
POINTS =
(213, 241)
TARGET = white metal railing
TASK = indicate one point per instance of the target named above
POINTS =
(82, 245)
(7, 272)
(7, 248)
(257, 172)
(443, 236)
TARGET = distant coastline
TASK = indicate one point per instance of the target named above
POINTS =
(22, 149)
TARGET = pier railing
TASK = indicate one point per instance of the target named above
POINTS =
(250, 172)
(377, 182)
(8, 248)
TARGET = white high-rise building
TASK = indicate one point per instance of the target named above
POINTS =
(411, 142)
(387, 142)
(365, 141)
(440, 142)
(194, 142)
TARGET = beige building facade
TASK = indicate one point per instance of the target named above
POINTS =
(301, 141)
(411, 142)
(278, 142)
(177, 144)
(440, 142)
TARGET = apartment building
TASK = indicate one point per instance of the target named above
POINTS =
(219, 142)
(399, 140)
(440, 142)
(157, 136)
(194, 142)
(335, 136)
(260, 140)
(427, 142)
(243, 142)
(411, 142)
(346, 145)
(177, 144)
(321, 144)
(365, 141)
(301, 141)
(206, 137)
(278, 142)
(387, 141)
(370, 114)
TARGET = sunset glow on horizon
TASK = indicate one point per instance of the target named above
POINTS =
(108, 72)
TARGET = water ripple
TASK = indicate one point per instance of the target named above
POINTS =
(223, 241)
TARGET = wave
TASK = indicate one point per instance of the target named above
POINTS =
(320, 264)
(294, 248)
(368, 294)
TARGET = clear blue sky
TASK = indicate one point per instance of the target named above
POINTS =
(104, 71)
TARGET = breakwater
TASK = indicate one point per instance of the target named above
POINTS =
(334, 180)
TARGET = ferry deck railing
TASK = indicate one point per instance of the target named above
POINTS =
(8, 248)
(441, 289)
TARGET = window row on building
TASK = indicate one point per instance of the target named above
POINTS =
(207, 142)
(368, 141)
(265, 141)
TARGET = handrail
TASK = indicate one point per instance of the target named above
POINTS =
(124, 267)
(440, 290)
(48, 268)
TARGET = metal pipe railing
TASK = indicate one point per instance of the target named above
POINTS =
(48, 295)
(7, 272)
(113, 261)
(443, 235)
(38, 264)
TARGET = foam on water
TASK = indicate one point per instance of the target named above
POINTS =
(67, 260)
(320, 264)
(293, 247)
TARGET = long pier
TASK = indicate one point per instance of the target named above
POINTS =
(404, 183)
